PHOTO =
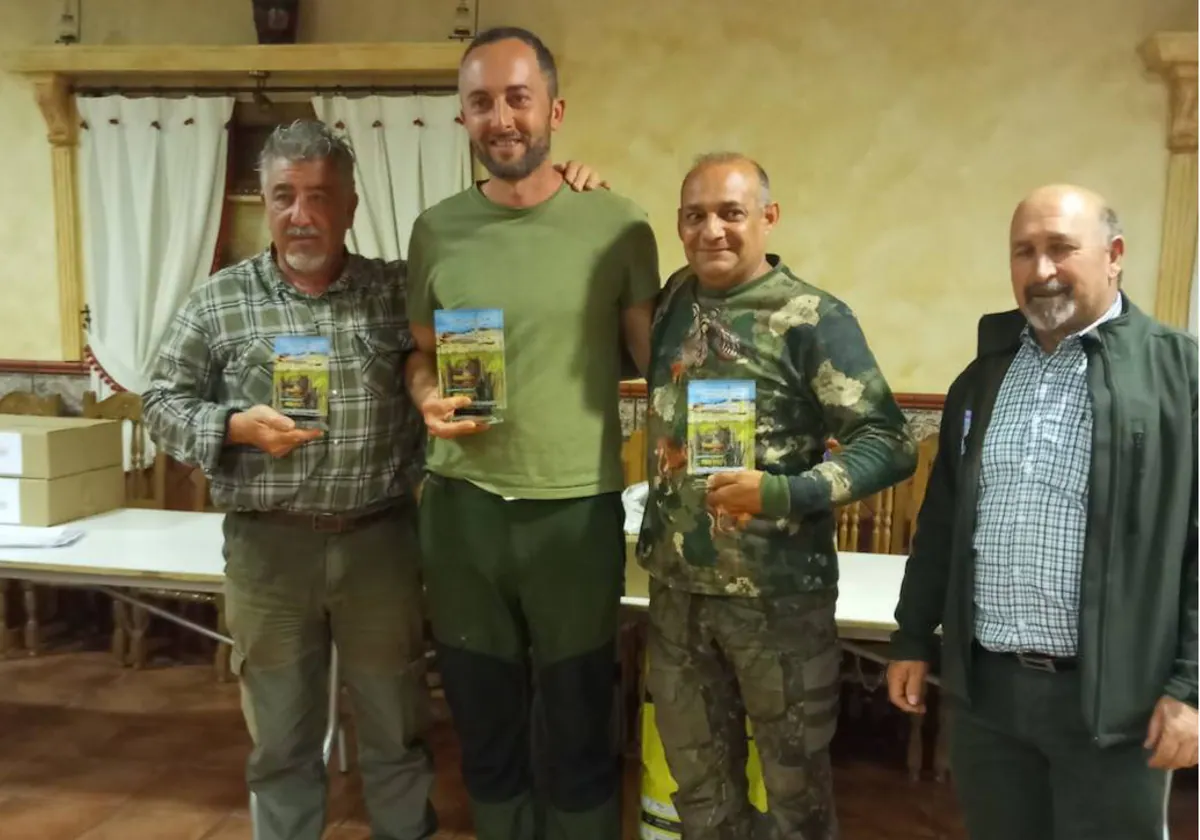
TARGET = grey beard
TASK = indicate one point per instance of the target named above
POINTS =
(1050, 314)
(536, 152)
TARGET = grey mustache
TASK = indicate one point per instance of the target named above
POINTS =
(302, 231)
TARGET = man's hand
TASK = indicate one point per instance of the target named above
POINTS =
(580, 176)
(439, 417)
(1172, 735)
(265, 428)
(736, 493)
(906, 685)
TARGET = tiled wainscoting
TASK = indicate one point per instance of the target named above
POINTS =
(70, 387)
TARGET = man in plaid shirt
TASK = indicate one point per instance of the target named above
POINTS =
(320, 542)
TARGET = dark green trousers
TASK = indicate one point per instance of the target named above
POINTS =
(289, 593)
(1025, 766)
(523, 593)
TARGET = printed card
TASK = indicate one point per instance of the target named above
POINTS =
(470, 359)
(720, 425)
(301, 376)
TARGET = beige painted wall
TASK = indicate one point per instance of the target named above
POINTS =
(898, 133)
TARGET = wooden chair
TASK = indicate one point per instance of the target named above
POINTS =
(24, 402)
(146, 487)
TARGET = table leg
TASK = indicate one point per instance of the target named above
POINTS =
(333, 730)
(916, 746)
(941, 750)
(4, 637)
(32, 640)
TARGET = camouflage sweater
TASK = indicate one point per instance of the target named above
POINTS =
(816, 382)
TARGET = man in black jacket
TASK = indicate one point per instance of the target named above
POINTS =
(1057, 547)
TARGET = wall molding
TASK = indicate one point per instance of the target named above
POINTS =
(1172, 57)
(636, 389)
(43, 368)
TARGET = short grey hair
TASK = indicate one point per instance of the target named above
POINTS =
(1112, 224)
(717, 158)
(305, 140)
(1112, 230)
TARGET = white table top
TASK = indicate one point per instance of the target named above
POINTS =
(182, 550)
(179, 549)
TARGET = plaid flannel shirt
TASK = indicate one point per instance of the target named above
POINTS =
(218, 356)
(1033, 500)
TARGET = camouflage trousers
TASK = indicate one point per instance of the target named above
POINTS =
(715, 661)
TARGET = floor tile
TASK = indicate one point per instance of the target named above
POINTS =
(51, 818)
(234, 827)
(137, 820)
(78, 779)
(195, 787)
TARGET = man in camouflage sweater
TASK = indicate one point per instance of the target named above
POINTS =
(743, 562)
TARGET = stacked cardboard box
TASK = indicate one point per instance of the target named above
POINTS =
(58, 469)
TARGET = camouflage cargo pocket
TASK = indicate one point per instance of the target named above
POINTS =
(789, 670)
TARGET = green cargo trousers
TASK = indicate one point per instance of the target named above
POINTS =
(525, 593)
(1026, 766)
(716, 660)
(290, 592)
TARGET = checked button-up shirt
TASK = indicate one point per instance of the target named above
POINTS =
(218, 356)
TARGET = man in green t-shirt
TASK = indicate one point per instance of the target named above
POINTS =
(533, 293)
(753, 374)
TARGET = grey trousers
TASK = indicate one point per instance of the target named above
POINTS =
(1026, 767)
(291, 592)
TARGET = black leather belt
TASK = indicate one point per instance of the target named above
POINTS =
(326, 523)
(1035, 661)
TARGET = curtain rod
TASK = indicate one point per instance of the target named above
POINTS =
(105, 90)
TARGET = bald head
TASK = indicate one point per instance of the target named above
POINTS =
(1072, 200)
(1065, 258)
(725, 217)
(735, 161)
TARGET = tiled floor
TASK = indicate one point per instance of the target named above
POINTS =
(89, 751)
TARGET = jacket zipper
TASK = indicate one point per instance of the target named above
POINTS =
(1139, 445)
(1106, 550)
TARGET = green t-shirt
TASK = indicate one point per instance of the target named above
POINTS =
(561, 273)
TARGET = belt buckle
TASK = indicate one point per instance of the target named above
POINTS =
(327, 523)
(1037, 662)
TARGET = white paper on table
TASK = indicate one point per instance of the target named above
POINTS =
(10, 453)
(29, 536)
(10, 500)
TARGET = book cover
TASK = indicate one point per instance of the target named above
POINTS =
(470, 358)
(301, 376)
(720, 426)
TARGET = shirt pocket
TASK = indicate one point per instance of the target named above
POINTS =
(382, 355)
(249, 375)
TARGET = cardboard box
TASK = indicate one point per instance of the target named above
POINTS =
(51, 447)
(57, 469)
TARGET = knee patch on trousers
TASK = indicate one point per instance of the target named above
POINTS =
(576, 704)
(489, 699)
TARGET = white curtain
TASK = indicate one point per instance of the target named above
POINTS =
(412, 152)
(152, 187)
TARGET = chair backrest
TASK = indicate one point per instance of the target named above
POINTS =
(145, 481)
(886, 522)
(23, 402)
(633, 457)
